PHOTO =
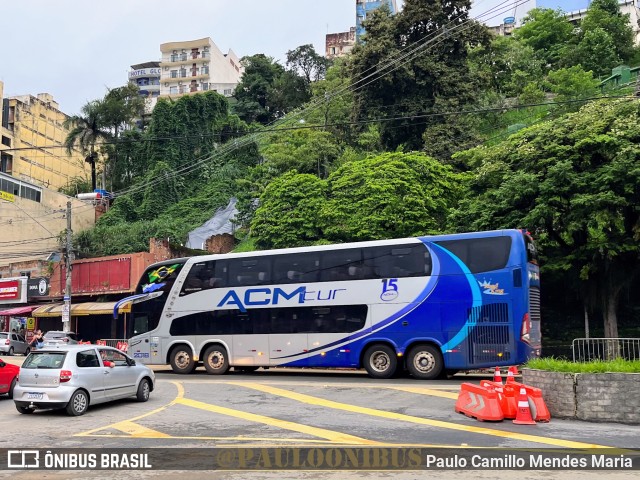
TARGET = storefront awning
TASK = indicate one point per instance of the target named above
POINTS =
(17, 311)
(80, 309)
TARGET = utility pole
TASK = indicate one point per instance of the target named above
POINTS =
(66, 308)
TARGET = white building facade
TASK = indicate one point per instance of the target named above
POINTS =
(197, 66)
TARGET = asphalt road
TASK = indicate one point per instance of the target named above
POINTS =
(294, 408)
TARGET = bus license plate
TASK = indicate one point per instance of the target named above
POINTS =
(35, 396)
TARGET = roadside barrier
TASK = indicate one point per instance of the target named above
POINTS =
(479, 402)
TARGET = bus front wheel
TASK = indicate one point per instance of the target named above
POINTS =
(424, 362)
(380, 361)
(216, 360)
(181, 359)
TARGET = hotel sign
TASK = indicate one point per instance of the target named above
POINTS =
(145, 72)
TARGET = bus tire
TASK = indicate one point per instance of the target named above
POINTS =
(424, 362)
(181, 359)
(216, 360)
(380, 361)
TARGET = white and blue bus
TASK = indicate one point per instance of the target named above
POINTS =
(429, 305)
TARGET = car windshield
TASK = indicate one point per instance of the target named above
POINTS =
(44, 360)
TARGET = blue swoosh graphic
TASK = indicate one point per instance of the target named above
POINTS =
(476, 295)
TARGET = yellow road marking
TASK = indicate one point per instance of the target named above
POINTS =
(138, 431)
(179, 395)
(230, 439)
(417, 420)
(426, 391)
(336, 437)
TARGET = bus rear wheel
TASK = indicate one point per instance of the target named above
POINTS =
(216, 360)
(181, 360)
(424, 362)
(380, 361)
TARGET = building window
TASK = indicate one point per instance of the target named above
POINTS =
(227, 92)
(6, 141)
(174, 73)
(173, 90)
(205, 86)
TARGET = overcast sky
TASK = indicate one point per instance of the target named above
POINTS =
(76, 49)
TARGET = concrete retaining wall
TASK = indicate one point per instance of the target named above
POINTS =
(595, 397)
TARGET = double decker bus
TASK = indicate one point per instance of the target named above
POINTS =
(429, 305)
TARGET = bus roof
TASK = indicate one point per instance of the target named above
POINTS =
(342, 246)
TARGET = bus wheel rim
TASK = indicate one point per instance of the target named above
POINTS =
(183, 359)
(216, 360)
(424, 361)
(380, 361)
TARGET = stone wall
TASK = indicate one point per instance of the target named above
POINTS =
(595, 397)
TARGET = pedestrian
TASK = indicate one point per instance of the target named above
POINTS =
(38, 340)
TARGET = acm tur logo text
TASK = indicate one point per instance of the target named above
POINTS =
(23, 459)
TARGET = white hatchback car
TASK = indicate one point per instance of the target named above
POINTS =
(76, 376)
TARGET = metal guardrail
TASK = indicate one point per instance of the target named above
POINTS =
(588, 349)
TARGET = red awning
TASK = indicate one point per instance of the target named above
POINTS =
(17, 311)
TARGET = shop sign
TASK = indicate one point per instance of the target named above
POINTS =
(37, 287)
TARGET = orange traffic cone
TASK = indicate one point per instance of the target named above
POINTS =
(496, 376)
(511, 375)
(523, 414)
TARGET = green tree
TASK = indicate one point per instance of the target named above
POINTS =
(547, 32)
(307, 63)
(436, 79)
(573, 183)
(572, 83)
(595, 51)
(305, 150)
(87, 131)
(391, 195)
(267, 91)
(287, 215)
(507, 65)
(606, 15)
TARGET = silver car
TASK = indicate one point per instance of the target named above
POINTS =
(76, 376)
(11, 343)
(54, 337)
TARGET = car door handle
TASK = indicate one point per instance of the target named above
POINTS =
(278, 350)
(106, 372)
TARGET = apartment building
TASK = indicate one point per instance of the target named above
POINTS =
(340, 44)
(32, 142)
(197, 66)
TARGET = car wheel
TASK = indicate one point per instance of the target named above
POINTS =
(24, 410)
(11, 387)
(10, 352)
(182, 360)
(424, 362)
(380, 361)
(216, 360)
(144, 389)
(78, 404)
